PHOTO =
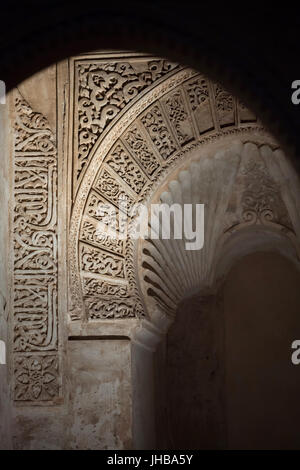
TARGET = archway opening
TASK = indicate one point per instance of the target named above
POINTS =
(224, 375)
(87, 132)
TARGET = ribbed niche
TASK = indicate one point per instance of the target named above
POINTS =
(170, 271)
(241, 187)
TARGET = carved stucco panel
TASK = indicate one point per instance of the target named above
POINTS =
(35, 319)
(127, 154)
(103, 89)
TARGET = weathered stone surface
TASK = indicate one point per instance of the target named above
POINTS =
(5, 379)
(100, 393)
(86, 312)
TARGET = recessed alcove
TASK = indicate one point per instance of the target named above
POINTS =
(224, 375)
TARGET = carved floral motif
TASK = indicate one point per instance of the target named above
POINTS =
(141, 151)
(179, 117)
(101, 262)
(224, 106)
(93, 286)
(91, 233)
(157, 129)
(197, 90)
(113, 309)
(113, 191)
(104, 89)
(36, 378)
(126, 168)
(261, 199)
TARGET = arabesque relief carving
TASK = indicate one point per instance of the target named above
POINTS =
(261, 199)
(159, 126)
(256, 196)
(104, 89)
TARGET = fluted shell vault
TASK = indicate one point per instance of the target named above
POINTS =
(239, 188)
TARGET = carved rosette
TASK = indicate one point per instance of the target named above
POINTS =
(35, 320)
